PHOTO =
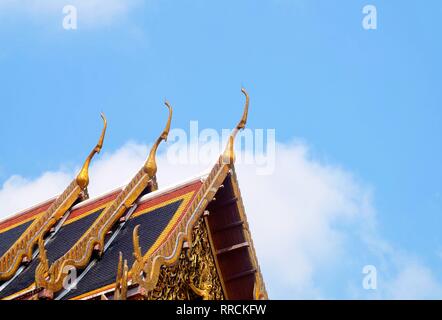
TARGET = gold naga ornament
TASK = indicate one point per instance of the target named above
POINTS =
(145, 270)
(51, 277)
(229, 153)
(21, 251)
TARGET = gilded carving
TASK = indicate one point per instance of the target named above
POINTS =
(121, 281)
(193, 276)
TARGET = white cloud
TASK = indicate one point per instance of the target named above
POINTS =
(414, 281)
(304, 219)
(91, 13)
(294, 218)
(439, 253)
(19, 193)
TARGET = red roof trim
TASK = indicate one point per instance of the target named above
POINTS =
(93, 204)
(172, 194)
(26, 215)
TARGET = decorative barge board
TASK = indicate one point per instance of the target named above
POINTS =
(12, 228)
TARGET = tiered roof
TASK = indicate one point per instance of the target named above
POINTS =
(146, 227)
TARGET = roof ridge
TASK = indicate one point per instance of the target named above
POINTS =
(202, 175)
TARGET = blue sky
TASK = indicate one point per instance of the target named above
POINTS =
(368, 102)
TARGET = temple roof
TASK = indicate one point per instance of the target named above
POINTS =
(155, 213)
(76, 222)
(70, 236)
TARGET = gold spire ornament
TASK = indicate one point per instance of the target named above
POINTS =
(229, 153)
(136, 244)
(151, 165)
(83, 177)
(22, 249)
(51, 278)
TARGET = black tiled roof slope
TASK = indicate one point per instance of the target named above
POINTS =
(59, 245)
(8, 238)
(152, 224)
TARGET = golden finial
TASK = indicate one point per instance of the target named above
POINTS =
(136, 242)
(42, 255)
(150, 166)
(229, 153)
(83, 177)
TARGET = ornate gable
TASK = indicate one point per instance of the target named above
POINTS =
(189, 241)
